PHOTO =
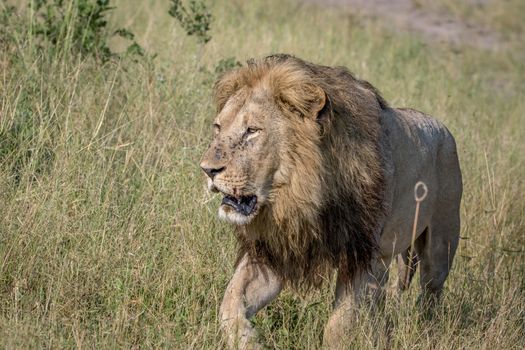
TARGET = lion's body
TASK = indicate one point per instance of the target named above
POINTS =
(418, 148)
(332, 169)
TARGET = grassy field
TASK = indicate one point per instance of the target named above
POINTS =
(108, 238)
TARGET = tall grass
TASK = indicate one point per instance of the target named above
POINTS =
(108, 238)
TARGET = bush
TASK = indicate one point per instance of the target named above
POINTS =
(195, 19)
(77, 26)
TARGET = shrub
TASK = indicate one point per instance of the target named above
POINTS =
(195, 19)
(77, 26)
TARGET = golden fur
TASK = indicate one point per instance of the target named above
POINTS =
(328, 210)
(317, 172)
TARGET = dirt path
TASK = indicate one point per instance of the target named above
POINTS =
(405, 15)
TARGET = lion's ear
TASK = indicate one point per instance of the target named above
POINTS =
(306, 99)
(317, 101)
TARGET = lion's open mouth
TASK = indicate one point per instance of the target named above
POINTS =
(243, 204)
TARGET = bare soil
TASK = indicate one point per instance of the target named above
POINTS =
(406, 15)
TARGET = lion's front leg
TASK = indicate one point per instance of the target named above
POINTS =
(251, 288)
(349, 294)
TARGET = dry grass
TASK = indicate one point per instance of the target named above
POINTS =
(108, 239)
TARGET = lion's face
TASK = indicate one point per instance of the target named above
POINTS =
(241, 160)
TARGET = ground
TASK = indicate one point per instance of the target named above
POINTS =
(432, 23)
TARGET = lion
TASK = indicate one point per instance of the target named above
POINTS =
(317, 174)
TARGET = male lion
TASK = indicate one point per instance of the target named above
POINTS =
(318, 174)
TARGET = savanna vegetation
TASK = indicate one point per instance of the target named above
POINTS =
(108, 238)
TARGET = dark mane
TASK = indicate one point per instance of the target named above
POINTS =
(329, 216)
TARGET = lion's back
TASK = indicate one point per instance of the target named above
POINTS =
(435, 143)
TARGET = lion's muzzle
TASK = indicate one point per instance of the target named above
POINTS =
(243, 204)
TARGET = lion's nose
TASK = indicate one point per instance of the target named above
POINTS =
(211, 172)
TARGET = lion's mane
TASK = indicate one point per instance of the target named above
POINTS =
(328, 211)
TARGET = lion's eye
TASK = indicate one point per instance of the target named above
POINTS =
(216, 128)
(250, 133)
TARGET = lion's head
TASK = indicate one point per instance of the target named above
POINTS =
(261, 113)
(295, 154)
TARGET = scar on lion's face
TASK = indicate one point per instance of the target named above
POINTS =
(245, 130)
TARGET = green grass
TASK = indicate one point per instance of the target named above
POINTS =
(108, 238)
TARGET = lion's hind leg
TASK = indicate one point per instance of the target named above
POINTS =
(406, 269)
(436, 248)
